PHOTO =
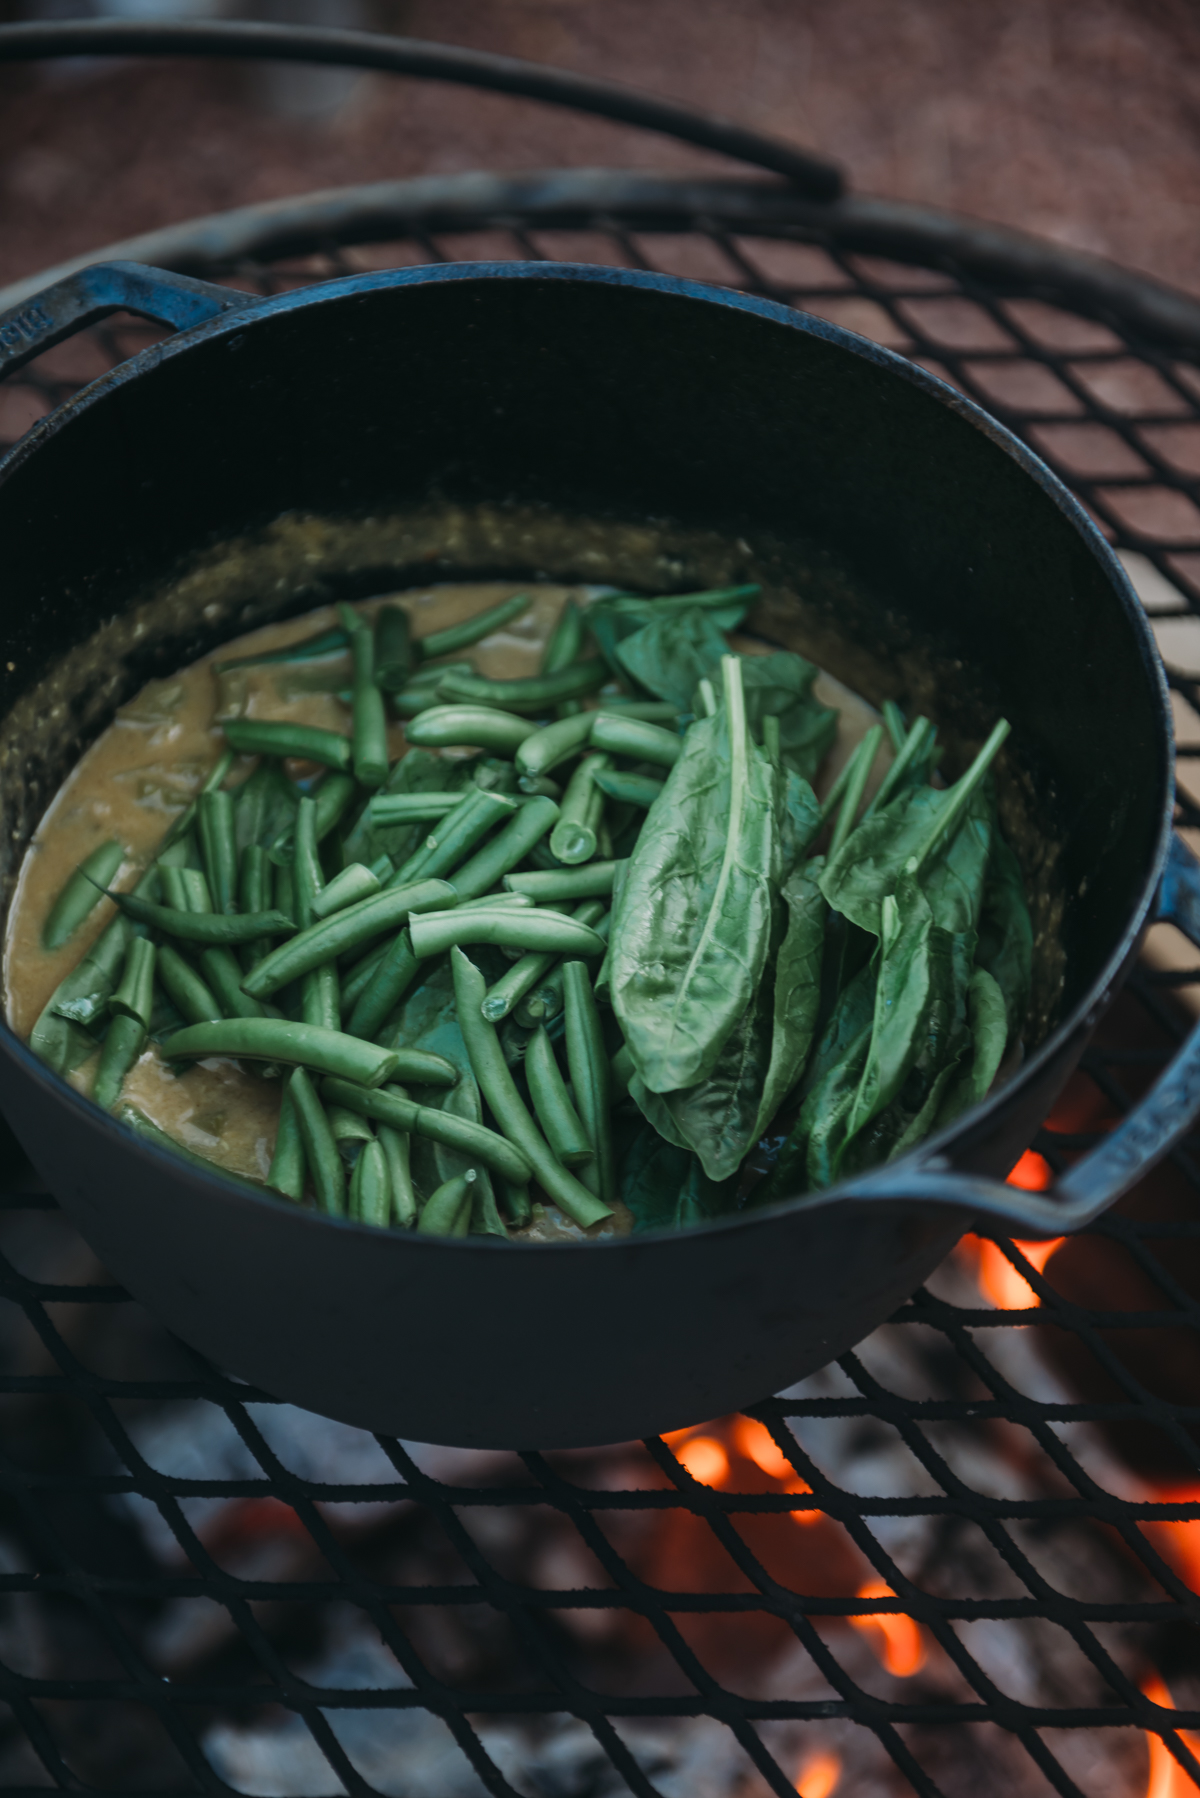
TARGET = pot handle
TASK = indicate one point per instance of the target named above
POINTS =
(1152, 1128)
(59, 311)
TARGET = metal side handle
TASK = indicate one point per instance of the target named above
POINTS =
(1150, 1131)
(58, 312)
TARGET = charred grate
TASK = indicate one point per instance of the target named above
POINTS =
(204, 1590)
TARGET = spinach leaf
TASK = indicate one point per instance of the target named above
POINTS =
(665, 1187)
(829, 1087)
(722, 1117)
(947, 834)
(988, 1016)
(1005, 932)
(717, 1117)
(611, 620)
(797, 991)
(780, 686)
(692, 934)
(673, 654)
(919, 1032)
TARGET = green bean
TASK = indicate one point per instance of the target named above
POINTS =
(254, 873)
(506, 901)
(371, 1188)
(591, 1079)
(410, 808)
(187, 817)
(122, 1046)
(309, 1045)
(629, 789)
(203, 927)
(650, 711)
(254, 888)
(508, 847)
(352, 885)
(321, 997)
(621, 1071)
(287, 1162)
(421, 693)
(554, 744)
(396, 1152)
(347, 929)
(552, 1102)
(192, 999)
(325, 1166)
(285, 896)
(196, 889)
(256, 803)
(639, 741)
(260, 736)
(893, 717)
(573, 839)
(447, 1212)
(524, 975)
(539, 786)
(535, 693)
(448, 846)
(500, 1092)
(861, 763)
(360, 977)
(81, 894)
(565, 640)
(218, 850)
(543, 1004)
(394, 649)
(134, 998)
(349, 1129)
(507, 928)
(394, 975)
(516, 1202)
(306, 651)
(175, 889)
(370, 720)
(468, 726)
(473, 630)
(224, 977)
(307, 877)
(332, 800)
(388, 1105)
(596, 880)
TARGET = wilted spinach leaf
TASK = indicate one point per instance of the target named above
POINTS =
(666, 1188)
(692, 934)
(780, 686)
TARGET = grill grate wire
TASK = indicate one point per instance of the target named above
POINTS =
(85, 1372)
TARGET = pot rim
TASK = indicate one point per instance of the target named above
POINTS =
(1087, 1009)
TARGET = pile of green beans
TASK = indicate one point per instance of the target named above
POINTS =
(260, 937)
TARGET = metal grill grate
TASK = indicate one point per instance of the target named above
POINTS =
(203, 1590)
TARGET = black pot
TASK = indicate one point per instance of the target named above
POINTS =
(584, 423)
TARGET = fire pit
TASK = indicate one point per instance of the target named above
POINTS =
(964, 1559)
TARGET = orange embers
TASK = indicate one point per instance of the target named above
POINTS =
(1032, 1173)
(804, 1551)
(998, 1278)
(896, 1638)
(818, 1775)
(1166, 1778)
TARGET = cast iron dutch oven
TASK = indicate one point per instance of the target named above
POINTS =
(482, 420)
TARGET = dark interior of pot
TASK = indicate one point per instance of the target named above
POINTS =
(587, 431)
